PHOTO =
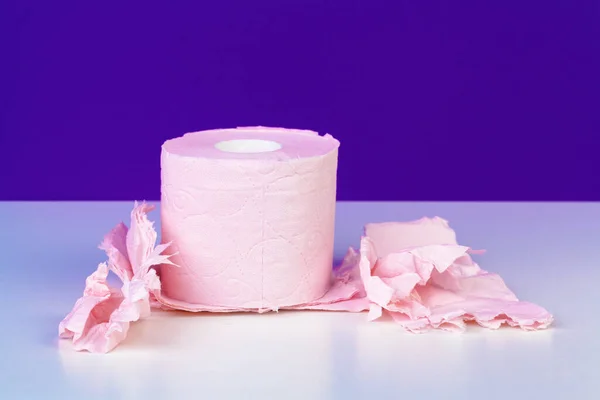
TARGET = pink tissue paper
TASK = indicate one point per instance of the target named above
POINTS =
(249, 227)
(252, 229)
(100, 319)
(418, 274)
(415, 271)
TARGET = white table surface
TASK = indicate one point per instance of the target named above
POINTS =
(548, 253)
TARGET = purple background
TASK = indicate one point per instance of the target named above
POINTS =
(431, 100)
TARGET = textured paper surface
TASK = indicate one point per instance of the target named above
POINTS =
(252, 231)
(418, 274)
(100, 319)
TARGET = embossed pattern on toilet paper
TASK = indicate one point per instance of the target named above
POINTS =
(250, 232)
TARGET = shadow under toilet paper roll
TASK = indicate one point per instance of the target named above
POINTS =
(250, 213)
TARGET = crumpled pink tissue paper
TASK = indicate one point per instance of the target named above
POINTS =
(418, 274)
(100, 319)
(414, 271)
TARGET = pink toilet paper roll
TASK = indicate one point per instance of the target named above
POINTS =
(248, 218)
(250, 213)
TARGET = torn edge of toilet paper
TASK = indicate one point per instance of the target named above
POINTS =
(414, 272)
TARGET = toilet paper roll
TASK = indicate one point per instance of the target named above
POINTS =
(250, 213)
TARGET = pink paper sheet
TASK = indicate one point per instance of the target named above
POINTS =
(415, 272)
(418, 274)
(100, 319)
